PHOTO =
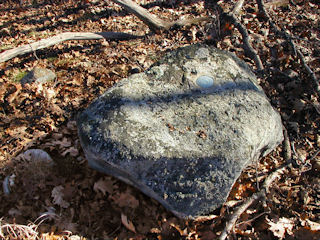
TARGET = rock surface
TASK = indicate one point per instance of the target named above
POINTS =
(182, 131)
(38, 75)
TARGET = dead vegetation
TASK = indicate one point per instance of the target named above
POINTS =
(62, 199)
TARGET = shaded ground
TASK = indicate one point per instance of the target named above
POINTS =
(79, 200)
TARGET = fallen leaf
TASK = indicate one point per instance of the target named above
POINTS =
(314, 226)
(57, 195)
(72, 151)
(104, 185)
(127, 223)
(12, 96)
(126, 199)
(281, 226)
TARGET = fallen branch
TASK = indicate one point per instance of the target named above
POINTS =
(237, 7)
(155, 23)
(44, 43)
(248, 49)
(287, 153)
(264, 189)
(289, 38)
(255, 197)
(312, 75)
(151, 20)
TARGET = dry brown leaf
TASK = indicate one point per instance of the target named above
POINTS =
(183, 232)
(12, 96)
(64, 143)
(127, 223)
(72, 151)
(277, 3)
(126, 199)
(104, 185)
(16, 131)
(49, 93)
(314, 226)
(279, 227)
(56, 109)
(57, 195)
(205, 218)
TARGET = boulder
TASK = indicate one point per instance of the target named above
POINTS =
(182, 131)
(38, 75)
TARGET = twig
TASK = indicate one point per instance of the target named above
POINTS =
(314, 155)
(44, 43)
(234, 217)
(155, 23)
(289, 38)
(287, 153)
(310, 72)
(237, 7)
(252, 219)
(248, 49)
(256, 196)
(264, 189)
(34, 52)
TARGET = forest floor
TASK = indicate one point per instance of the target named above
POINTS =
(76, 202)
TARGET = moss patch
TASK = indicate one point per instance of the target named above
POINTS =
(18, 76)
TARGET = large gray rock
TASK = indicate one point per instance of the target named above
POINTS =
(182, 131)
(38, 75)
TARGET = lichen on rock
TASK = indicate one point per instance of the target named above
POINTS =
(175, 140)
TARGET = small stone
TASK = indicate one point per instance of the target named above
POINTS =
(38, 75)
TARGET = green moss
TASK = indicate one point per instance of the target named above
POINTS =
(32, 33)
(5, 47)
(52, 59)
(17, 77)
(66, 61)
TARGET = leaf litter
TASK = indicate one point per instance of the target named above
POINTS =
(43, 169)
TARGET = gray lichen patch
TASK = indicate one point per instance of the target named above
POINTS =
(182, 131)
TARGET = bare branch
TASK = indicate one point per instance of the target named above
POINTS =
(149, 19)
(289, 38)
(265, 187)
(313, 77)
(237, 7)
(44, 43)
(255, 197)
(287, 153)
(155, 23)
(245, 36)
(249, 50)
